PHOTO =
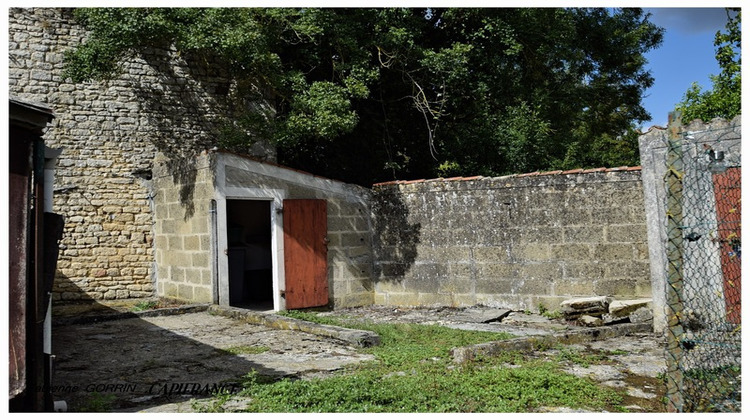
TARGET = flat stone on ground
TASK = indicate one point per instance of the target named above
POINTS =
(482, 315)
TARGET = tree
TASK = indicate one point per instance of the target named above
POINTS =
(371, 94)
(724, 100)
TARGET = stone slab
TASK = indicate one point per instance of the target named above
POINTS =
(482, 315)
(619, 308)
(356, 337)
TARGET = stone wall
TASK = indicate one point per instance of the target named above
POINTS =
(182, 229)
(516, 241)
(110, 132)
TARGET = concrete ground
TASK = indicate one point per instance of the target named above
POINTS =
(162, 363)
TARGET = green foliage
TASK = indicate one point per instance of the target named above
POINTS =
(724, 100)
(145, 305)
(547, 313)
(575, 356)
(413, 373)
(433, 389)
(97, 403)
(368, 94)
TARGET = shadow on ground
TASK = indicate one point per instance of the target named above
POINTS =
(132, 364)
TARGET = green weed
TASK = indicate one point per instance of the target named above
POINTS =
(144, 306)
(97, 403)
(246, 349)
(413, 372)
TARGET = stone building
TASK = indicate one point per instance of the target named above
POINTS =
(255, 234)
(110, 133)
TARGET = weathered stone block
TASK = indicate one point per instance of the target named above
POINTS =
(455, 285)
(583, 234)
(574, 308)
(490, 254)
(543, 272)
(434, 299)
(185, 291)
(202, 294)
(586, 270)
(590, 321)
(460, 269)
(613, 252)
(632, 269)
(633, 233)
(402, 299)
(535, 252)
(490, 286)
(573, 287)
(643, 314)
(498, 270)
(615, 287)
(191, 243)
(620, 308)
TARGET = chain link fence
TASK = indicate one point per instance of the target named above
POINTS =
(703, 301)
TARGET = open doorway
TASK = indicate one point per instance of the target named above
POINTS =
(249, 254)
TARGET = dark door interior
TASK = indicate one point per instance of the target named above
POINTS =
(249, 253)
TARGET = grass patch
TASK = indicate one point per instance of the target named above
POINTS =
(579, 358)
(97, 403)
(414, 372)
(145, 305)
(246, 350)
(543, 311)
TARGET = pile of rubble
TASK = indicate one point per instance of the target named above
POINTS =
(604, 310)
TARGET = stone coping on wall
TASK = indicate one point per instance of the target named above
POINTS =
(530, 174)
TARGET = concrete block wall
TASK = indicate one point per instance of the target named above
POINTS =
(516, 241)
(349, 252)
(182, 231)
(109, 132)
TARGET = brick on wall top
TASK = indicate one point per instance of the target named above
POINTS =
(531, 174)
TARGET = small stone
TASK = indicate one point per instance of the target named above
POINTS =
(574, 308)
(642, 314)
(483, 315)
(619, 308)
(590, 321)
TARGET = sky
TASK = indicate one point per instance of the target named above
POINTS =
(686, 55)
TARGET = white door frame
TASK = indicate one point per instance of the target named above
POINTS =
(276, 197)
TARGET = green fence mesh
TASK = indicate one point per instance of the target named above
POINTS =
(703, 272)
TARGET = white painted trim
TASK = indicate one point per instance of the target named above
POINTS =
(276, 197)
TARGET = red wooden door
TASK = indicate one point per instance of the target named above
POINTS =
(727, 189)
(305, 253)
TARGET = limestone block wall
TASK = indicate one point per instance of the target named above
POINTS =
(182, 229)
(516, 241)
(109, 133)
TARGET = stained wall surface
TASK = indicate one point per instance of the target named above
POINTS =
(516, 241)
